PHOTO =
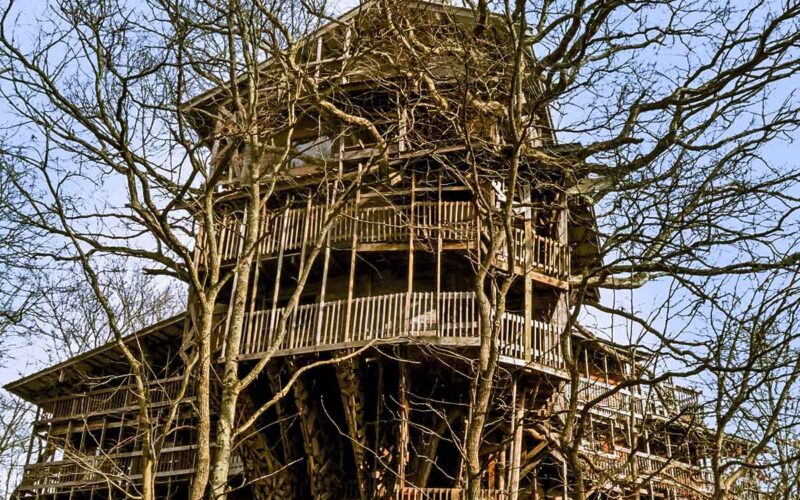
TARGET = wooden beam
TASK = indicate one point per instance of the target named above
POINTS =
(277, 286)
(404, 415)
(353, 260)
(516, 448)
(410, 275)
(527, 330)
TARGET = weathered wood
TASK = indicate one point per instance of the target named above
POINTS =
(517, 426)
(402, 437)
(351, 276)
(322, 458)
(352, 396)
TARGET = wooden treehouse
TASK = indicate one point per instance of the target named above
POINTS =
(395, 277)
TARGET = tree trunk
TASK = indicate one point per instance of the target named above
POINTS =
(323, 470)
(352, 396)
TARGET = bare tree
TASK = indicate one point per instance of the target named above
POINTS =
(641, 124)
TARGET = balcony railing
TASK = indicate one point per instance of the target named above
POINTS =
(411, 493)
(647, 469)
(683, 479)
(117, 468)
(663, 399)
(105, 401)
(450, 318)
(540, 254)
(453, 221)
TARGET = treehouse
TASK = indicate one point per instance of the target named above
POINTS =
(390, 224)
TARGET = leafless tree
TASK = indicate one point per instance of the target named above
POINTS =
(650, 117)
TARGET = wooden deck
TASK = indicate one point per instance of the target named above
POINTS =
(412, 493)
(646, 469)
(83, 472)
(104, 401)
(384, 226)
(661, 400)
(449, 319)
(680, 479)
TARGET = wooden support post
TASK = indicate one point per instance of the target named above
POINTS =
(249, 334)
(353, 259)
(318, 64)
(518, 427)
(378, 416)
(439, 208)
(346, 56)
(306, 228)
(33, 434)
(527, 338)
(324, 284)
(410, 282)
(404, 414)
(303, 250)
(233, 285)
(402, 123)
(277, 286)
(504, 469)
(513, 433)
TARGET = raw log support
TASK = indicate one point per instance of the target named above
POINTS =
(352, 395)
(322, 459)
(451, 317)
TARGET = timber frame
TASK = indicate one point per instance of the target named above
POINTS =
(394, 280)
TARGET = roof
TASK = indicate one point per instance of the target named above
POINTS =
(209, 97)
(47, 382)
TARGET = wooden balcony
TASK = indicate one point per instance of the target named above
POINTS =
(83, 472)
(680, 479)
(412, 493)
(449, 319)
(660, 400)
(645, 469)
(105, 401)
(382, 227)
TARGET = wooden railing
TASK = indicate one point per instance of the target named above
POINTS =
(88, 470)
(454, 221)
(108, 400)
(647, 469)
(538, 254)
(658, 400)
(682, 479)
(450, 318)
(411, 493)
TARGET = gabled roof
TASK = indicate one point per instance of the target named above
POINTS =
(108, 358)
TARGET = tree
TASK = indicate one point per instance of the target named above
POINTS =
(137, 137)
(671, 107)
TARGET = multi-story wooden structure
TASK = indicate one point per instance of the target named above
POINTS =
(397, 277)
